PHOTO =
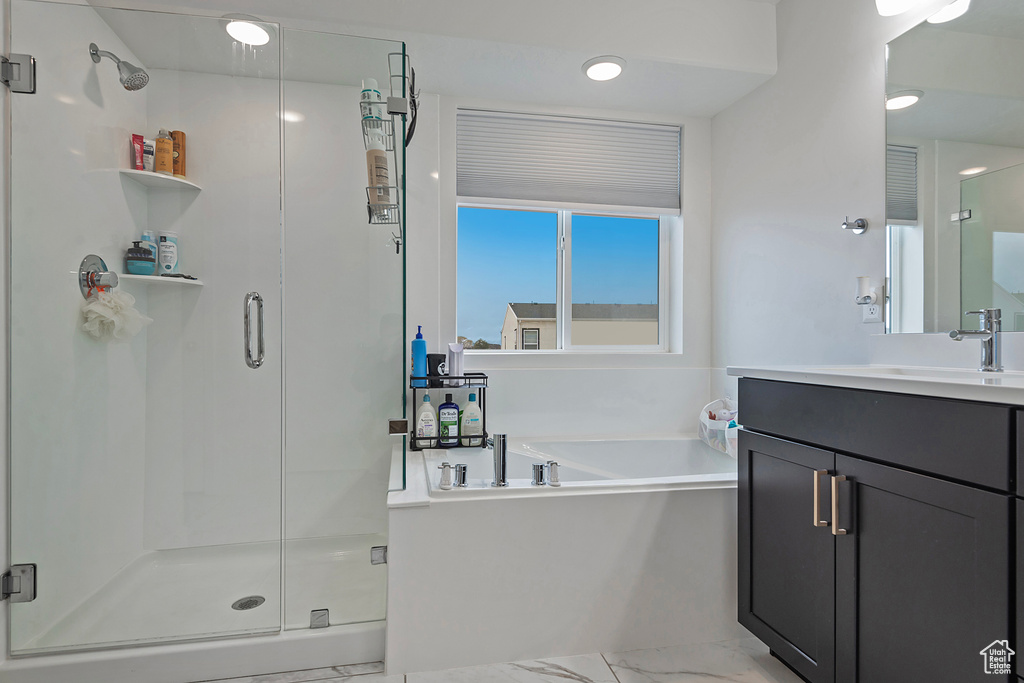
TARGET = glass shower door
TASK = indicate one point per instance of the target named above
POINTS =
(344, 338)
(992, 247)
(146, 470)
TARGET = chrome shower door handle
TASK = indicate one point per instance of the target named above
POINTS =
(256, 361)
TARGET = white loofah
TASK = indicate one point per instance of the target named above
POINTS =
(111, 316)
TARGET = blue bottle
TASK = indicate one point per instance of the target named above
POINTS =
(419, 358)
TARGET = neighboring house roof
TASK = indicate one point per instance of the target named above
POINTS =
(536, 311)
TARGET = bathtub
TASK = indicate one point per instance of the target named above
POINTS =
(636, 549)
(587, 464)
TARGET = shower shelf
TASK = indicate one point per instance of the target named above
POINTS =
(472, 381)
(158, 279)
(158, 180)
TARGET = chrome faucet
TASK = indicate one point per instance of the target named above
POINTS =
(990, 320)
(500, 462)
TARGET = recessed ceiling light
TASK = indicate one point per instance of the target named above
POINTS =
(603, 68)
(955, 9)
(973, 171)
(890, 8)
(902, 99)
(242, 29)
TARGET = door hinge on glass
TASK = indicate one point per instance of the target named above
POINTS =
(964, 215)
(379, 554)
(19, 583)
(18, 72)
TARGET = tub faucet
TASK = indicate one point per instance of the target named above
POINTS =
(990, 320)
(500, 462)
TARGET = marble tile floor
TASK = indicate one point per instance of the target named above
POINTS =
(737, 661)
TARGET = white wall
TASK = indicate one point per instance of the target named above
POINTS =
(791, 161)
(78, 414)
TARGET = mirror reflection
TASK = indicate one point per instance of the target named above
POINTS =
(955, 170)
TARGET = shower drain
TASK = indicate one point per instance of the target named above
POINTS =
(248, 602)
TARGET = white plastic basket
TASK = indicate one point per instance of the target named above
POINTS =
(719, 433)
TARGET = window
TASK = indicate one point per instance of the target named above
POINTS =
(531, 339)
(537, 280)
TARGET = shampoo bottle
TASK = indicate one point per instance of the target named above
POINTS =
(377, 176)
(163, 159)
(471, 423)
(426, 424)
(448, 419)
(419, 358)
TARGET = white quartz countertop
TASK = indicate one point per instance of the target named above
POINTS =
(969, 385)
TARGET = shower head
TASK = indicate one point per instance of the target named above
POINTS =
(132, 77)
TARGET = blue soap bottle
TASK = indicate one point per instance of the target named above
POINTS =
(419, 358)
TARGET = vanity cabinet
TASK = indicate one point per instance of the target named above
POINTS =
(905, 575)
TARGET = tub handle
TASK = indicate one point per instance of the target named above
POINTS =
(818, 521)
(553, 473)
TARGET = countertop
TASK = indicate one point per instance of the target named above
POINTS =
(957, 383)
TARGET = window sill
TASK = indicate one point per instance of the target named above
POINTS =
(482, 361)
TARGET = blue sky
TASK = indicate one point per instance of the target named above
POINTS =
(510, 256)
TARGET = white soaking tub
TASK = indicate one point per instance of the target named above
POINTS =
(636, 549)
(588, 463)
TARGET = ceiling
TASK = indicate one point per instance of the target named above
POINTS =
(684, 57)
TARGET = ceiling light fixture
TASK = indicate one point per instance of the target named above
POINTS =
(242, 29)
(973, 171)
(890, 8)
(603, 68)
(902, 99)
(955, 9)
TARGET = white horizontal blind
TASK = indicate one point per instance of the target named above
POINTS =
(900, 183)
(570, 161)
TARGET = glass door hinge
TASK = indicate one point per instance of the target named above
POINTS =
(964, 215)
(19, 583)
(18, 72)
(398, 426)
(379, 554)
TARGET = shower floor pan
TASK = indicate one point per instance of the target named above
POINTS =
(188, 593)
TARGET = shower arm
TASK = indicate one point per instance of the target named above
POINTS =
(96, 53)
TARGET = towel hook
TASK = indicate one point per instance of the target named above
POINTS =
(858, 226)
(93, 274)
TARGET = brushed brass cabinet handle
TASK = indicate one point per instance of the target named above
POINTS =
(818, 521)
(836, 531)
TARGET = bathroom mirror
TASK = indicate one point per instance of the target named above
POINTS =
(954, 173)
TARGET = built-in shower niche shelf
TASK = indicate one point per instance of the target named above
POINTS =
(159, 280)
(158, 180)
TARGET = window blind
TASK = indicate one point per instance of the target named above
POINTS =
(900, 183)
(570, 161)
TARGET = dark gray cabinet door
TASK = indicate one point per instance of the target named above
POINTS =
(786, 563)
(922, 577)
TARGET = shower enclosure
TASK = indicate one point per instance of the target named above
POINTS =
(172, 487)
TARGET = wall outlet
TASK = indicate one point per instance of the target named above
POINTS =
(872, 313)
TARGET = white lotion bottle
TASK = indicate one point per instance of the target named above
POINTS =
(472, 423)
(426, 424)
